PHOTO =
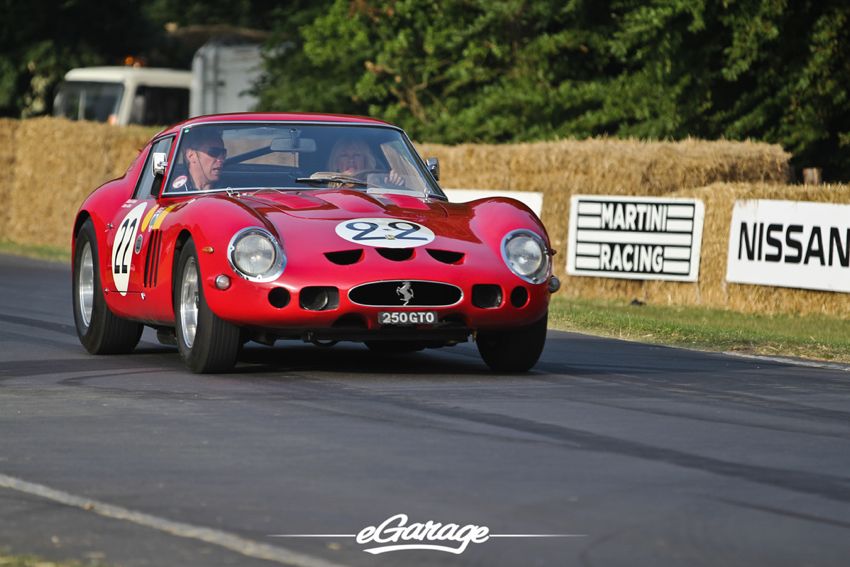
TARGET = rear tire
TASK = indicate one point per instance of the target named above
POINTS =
(514, 350)
(206, 343)
(100, 331)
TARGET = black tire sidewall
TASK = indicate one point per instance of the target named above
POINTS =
(217, 343)
(514, 350)
(186, 352)
(106, 333)
(88, 333)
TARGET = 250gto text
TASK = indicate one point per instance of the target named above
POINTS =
(407, 318)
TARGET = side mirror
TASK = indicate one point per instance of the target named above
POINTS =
(433, 165)
(159, 163)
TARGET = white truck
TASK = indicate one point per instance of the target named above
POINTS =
(220, 80)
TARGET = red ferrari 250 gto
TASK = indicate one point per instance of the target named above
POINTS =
(319, 228)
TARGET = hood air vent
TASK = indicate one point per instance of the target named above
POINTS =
(446, 256)
(396, 254)
(344, 257)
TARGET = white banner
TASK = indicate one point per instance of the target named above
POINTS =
(641, 238)
(790, 244)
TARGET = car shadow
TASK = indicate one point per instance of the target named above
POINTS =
(354, 358)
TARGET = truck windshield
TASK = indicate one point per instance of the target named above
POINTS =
(158, 106)
(88, 101)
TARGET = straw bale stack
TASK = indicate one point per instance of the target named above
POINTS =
(604, 167)
(8, 131)
(712, 288)
(53, 164)
(57, 164)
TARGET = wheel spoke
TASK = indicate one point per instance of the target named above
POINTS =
(85, 284)
(189, 299)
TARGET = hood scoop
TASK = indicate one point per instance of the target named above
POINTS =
(353, 202)
(330, 203)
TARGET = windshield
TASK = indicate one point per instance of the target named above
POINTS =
(88, 101)
(297, 157)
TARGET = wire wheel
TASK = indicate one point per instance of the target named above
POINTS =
(189, 302)
(85, 285)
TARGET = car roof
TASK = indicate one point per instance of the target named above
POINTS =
(276, 117)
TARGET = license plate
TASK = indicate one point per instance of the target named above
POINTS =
(407, 317)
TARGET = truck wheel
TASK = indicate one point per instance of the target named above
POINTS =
(514, 350)
(206, 343)
(100, 331)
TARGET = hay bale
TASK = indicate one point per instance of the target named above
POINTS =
(8, 132)
(57, 164)
(604, 166)
(712, 288)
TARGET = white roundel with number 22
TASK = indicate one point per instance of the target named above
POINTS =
(122, 248)
(385, 233)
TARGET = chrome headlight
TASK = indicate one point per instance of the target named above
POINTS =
(256, 255)
(526, 255)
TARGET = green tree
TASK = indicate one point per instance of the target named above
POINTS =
(507, 70)
(457, 70)
(40, 40)
(771, 70)
(295, 81)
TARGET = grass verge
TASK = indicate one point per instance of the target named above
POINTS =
(33, 561)
(816, 337)
(52, 253)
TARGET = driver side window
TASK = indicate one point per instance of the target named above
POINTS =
(146, 181)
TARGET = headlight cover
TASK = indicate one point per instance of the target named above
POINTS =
(526, 255)
(256, 255)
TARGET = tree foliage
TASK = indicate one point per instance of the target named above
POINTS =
(507, 70)
(493, 70)
(41, 39)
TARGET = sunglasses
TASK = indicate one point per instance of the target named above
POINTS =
(214, 152)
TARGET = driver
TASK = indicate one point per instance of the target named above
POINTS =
(353, 157)
(203, 154)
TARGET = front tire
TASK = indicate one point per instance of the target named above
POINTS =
(100, 331)
(514, 350)
(206, 343)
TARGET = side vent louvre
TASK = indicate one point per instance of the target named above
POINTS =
(152, 258)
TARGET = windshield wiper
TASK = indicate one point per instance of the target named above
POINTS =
(337, 178)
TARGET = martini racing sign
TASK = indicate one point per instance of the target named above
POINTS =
(790, 244)
(644, 238)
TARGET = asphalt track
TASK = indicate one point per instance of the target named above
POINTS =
(656, 456)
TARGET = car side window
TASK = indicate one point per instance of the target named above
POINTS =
(146, 180)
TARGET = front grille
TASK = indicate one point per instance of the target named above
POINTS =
(405, 293)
